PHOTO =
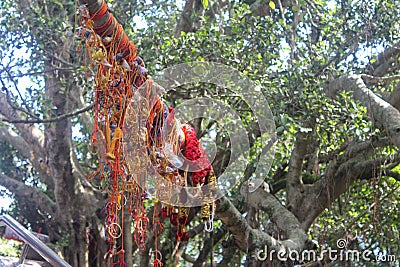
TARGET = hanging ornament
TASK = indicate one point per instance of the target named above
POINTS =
(135, 132)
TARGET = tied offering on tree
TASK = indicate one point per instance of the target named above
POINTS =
(135, 136)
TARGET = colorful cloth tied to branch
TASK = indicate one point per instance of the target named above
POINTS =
(136, 135)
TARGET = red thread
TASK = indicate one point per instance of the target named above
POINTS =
(105, 29)
(101, 12)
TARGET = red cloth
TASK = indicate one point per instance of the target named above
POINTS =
(193, 151)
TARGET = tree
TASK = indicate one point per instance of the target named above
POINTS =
(329, 71)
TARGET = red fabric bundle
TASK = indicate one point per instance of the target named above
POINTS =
(194, 152)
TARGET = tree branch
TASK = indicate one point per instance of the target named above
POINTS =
(248, 239)
(191, 16)
(394, 98)
(261, 199)
(233, 220)
(383, 114)
(294, 182)
(340, 175)
(54, 119)
(379, 79)
(37, 161)
(22, 190)
(9, 136)
(385, 59)
(260, 8)
(31, 134)
(16, 88)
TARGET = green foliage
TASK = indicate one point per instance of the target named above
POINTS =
(367, 216)
(10, 248)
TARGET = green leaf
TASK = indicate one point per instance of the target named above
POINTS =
(280, 129)
(205, 3)
(272, 4)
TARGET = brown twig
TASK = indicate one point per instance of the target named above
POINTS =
(54, 119)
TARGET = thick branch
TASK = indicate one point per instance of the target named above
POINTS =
(248, 239)
(379, 79)
(59, 147)
(38, 162)
(233, 220)
(31, 134)
(354, 164)
(191, 16)
(288, 223)
(360, 168)
(394, 98)
(22, 190)
(127, 49)
(260, 8)
(383, 114)
(9, 136)
(294, 182)
(385, 59)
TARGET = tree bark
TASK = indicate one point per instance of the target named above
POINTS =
(191, 17)
(25, 150)
(384, 115)
(385, 60)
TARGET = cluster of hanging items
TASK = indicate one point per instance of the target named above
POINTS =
(135, 133)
